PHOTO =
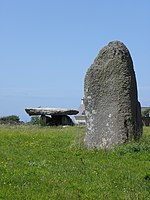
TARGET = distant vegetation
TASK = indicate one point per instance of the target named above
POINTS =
(145, 113)
(35, 121)
(51, 163)
(10, 120)
(15, 120)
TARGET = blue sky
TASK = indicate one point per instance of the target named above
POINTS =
(46, 46)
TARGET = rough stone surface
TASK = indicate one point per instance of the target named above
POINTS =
(51, 111)
(56, 120)
(113, 113)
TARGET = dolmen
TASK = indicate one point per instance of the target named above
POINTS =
(53, 116)
(113, 113)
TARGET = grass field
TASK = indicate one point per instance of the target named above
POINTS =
(51, 163)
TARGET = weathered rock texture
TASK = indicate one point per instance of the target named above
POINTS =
(51, 111)
(113, 113)
(56, 120)
(58, 116)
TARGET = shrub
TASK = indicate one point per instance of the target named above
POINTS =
(35, 121)
(12, 119)
(145, 113)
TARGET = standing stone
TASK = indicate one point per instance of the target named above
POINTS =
(113, 113)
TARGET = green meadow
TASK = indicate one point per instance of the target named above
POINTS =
(41, 163)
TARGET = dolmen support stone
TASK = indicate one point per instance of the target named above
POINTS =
(58, 116)
(113, 113)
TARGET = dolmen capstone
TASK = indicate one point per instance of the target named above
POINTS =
(113, 113)
(58, 116)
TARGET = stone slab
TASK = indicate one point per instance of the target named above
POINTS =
(51, 111)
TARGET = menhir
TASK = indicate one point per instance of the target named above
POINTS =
(113, 113)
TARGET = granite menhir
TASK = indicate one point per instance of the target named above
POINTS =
(113, 113)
